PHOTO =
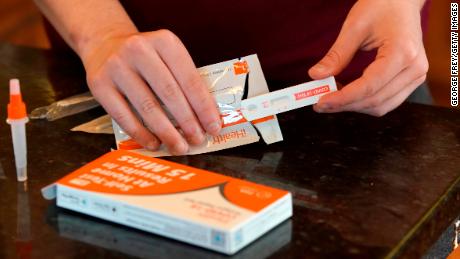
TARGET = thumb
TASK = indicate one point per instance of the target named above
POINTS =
(339, 56)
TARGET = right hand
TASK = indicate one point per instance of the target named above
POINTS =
(141, 68)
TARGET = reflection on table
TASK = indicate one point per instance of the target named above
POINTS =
(136, 243)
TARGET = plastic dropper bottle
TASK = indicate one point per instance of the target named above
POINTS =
(17, 118)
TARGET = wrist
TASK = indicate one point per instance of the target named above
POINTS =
(422, 3)
(88, 43)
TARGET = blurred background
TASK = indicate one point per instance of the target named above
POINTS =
(21, 23)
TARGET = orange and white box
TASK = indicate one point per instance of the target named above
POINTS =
(196, 206)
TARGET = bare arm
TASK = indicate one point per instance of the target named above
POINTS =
(143, 68)
(82, 23)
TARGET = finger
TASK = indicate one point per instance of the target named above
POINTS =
(167, 89)
(341, 53)
(388, 64)
(115, 104)
(396, 100)
(148, 107)
(405, 78)
(179, 62)
(158, 76)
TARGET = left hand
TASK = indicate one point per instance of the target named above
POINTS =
(394, 28)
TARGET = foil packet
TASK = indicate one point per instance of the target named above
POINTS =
(230, 82)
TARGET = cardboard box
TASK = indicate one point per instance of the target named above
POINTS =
(196, 206)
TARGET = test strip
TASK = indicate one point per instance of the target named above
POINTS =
(287, 99)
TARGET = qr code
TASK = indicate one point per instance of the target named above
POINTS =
(218, 238)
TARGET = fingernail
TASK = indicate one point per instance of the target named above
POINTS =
(320, 68)
(152, 145)
(323, 107)
(326, 106)
(181, 148)
(197, 138)
(214, 128)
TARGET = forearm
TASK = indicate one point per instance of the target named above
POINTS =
(84, 24)
(418, 3)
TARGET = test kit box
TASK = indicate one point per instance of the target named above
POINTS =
(196, 206)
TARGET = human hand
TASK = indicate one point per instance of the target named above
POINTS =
(391, 26)
(142, 68)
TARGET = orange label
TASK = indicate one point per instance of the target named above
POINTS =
(455, 254)
(264, 119)
(236, 117)
(312, 92)
(129, 144)
(241, 67)
(124, 172)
